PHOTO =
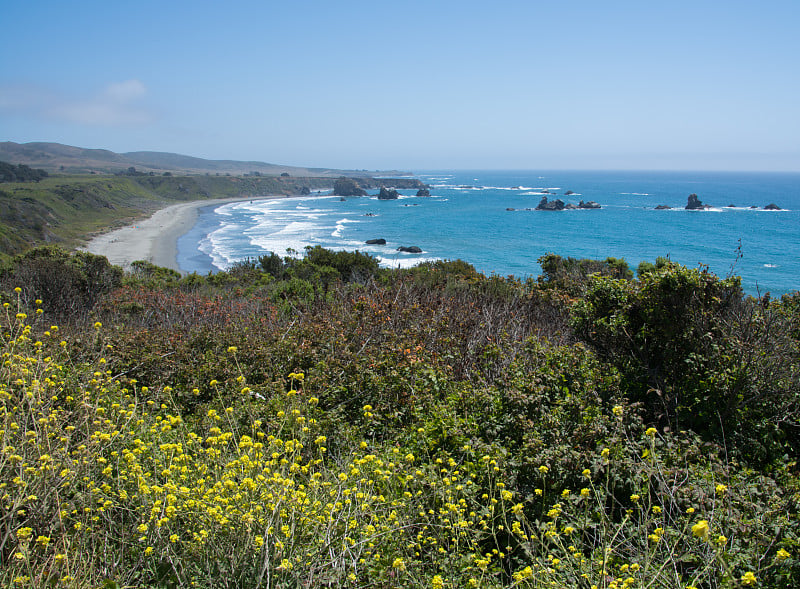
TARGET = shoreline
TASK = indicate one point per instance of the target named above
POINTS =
(155, 239)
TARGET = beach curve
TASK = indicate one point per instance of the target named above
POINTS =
(155, 239)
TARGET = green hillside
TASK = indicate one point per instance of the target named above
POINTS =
(66, 209)
(68, 159)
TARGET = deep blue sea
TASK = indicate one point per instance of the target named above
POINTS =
(467, 217)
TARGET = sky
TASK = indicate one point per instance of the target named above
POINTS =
(412, 85)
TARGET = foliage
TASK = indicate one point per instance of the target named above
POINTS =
(69, 284)
(572, 275)
(697, 355)
(430, 427)
(20, 173)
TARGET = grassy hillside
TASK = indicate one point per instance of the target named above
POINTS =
(320, 422)
(58, 158)
(66, 209)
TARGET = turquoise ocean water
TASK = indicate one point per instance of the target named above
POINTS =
(467, 217)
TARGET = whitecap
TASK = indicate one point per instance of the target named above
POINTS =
(219, 245)
(403, 262)
(340, 225)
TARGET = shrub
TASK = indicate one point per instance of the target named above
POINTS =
(696, 354)
(69, 284)
(573, 275)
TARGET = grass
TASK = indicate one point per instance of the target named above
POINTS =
(66, 209)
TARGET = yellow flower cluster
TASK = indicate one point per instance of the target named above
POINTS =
(92, 465)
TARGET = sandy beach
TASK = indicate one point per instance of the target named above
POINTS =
(154, 239)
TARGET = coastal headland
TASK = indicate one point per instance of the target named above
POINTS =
(130, 213)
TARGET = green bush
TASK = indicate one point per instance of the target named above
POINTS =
(696, 354)
(572, 275)
(69, 284)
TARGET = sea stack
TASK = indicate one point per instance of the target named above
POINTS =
(694, 204)
(554, 205)
(390, 194)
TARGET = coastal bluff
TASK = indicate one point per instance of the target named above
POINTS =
(346, 186)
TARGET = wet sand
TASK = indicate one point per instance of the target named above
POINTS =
(154, 239)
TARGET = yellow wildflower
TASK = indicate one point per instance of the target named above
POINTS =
(701, 529)
(749, 579)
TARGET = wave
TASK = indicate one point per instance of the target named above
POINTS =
(217, 245)
(404, 262)
(296, 235)
(340, 225)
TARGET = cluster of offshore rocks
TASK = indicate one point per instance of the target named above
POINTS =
(392, 194)
(695, 204)
(560, 205)
(407, 249)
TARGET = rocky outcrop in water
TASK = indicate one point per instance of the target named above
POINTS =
(379, 241)
(663, 207)
(347, 187)
(553, 205)
(694, 204)
(388, 194)
(409, 249)
(588, 205)
(772, 207)
(423, 192)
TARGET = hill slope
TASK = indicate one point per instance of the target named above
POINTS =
(67, 210)
(55, 157)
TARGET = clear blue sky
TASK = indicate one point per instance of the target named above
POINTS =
(414, 85)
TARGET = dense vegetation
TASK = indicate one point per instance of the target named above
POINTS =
(320, 422)
(20, 173)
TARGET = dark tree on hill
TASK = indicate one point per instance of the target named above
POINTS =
(20, 173)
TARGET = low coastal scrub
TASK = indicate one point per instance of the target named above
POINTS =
(319, 422)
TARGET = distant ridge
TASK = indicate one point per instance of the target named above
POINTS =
(55, 157)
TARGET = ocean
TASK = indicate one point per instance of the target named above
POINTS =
(487, 219)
